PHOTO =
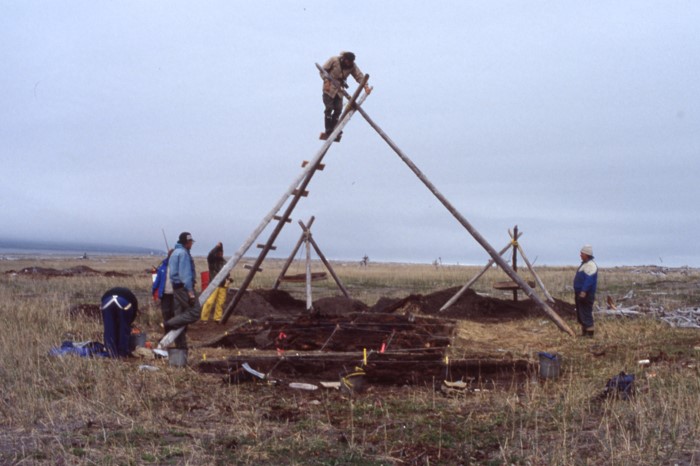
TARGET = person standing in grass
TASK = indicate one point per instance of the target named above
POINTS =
(216, 261)
(186, 308)
(119, 307)
(585, 284)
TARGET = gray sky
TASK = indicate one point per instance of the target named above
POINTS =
(577, 121)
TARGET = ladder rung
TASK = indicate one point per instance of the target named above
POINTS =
(278, 218)
(303, 194)
(320, 167)
(250, 267)
(262, 246)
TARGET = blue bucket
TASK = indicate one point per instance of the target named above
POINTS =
(550, 365)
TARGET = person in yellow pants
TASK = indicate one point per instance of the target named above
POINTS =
(216, 300)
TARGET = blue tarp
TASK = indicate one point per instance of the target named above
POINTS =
(84, 349)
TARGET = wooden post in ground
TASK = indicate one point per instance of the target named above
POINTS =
(309, 300)
(515, 260)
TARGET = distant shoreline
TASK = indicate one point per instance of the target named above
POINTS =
(18, 248)
(18, 254)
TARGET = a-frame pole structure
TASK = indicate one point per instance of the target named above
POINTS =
(307, 236)
(463, 221)
(515, 245)
(293, 254)
(319, 253)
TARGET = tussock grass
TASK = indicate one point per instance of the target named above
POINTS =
(83, 411)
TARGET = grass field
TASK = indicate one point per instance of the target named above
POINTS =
(83, 411)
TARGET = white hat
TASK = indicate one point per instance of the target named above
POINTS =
(587, 249)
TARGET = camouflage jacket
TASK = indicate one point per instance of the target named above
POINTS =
(333, 67)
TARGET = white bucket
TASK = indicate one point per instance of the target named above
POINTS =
(177, 357)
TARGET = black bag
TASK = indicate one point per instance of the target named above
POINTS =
(621, 385)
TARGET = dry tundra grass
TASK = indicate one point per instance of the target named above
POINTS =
(83, 411)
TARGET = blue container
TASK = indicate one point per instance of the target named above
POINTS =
(550, 365)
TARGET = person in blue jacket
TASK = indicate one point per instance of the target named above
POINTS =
(162, 290)
(119, 307)
(186, 308)
(585, 284)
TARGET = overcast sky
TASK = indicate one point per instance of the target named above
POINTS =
(577, 121)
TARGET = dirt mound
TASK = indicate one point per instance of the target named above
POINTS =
(252, 305)
(338, 305)
(282, 301)
(469, 306)
(258, 304)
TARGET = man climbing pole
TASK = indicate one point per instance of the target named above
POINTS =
(339, 68)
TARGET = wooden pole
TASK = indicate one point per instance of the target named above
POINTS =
(515, 260)
(534, 274)
(325, 261)
(475, 234)
(299, 189)
(291, 257)
(457, 295)
(309, 301)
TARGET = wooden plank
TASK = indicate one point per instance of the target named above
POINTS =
(301, 277)
(261, 246)
(320, 167)
(286, 220)
(510, 286)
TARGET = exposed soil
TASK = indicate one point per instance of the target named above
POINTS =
(406, 339)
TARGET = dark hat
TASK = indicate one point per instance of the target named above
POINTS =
(185, 237)
(349, 56)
